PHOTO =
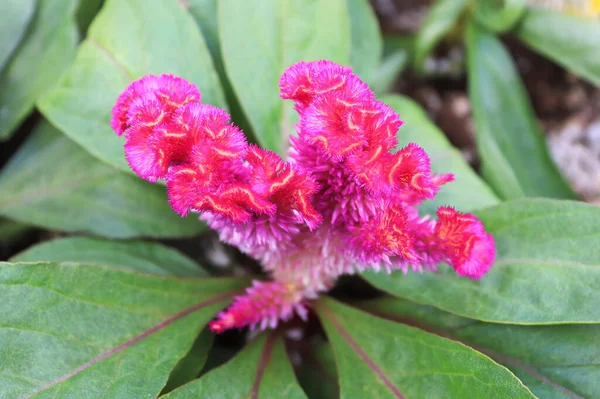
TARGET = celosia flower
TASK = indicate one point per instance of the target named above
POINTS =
(345, 201)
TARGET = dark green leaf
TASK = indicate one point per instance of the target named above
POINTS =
(377, 358)
(553, 361)
(514, 157)
(127, 40)
(46, 51)
(15, 16)
(90, 331)
(86, 12)
(205, 15)
(11, 230)
(317, 373)
(570, 41)
(53, 183)
(219, 354)
(261, 38)
(468, 192)
(190, 366)
(261, 370)
(397, 53)
(386, 74)
(366, 44)
(441, 18)
(140, 256)
(498, 16)
(392, 44)
(546, 271)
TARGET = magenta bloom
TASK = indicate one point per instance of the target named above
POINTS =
(345, 201)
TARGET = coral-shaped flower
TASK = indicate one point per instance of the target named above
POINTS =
(345, 201)
(264, 304)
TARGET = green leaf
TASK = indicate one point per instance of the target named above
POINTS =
(46, 51)
(11, 230)
(317, 373)
(15, 16)
(205, 15)
(468, 191)
(53, 183)
(441, 18)
(86, 12)
(498, 16)
(397, 54)
(190, 366)
(261, 38)
(89, 331)
(127, 40)
(547, 268)
(377, 358)
(391, 67)
(140, 256)
(553, 361)
(219, 354)
(570, 41)
(366, 43)
(514, 156)
(405, 43)
(261, 370)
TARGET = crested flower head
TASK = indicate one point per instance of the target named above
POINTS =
(344, 201)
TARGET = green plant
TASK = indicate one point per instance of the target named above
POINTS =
(109, 311)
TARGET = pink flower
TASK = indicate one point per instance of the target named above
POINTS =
(264, 304)
(458, 239)
(345, 201)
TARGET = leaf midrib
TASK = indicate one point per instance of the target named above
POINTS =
(359, 351)
(447, 333)
(263, 363)
(135, 339)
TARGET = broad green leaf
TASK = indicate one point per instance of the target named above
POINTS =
(46, 51)
(366, 43)
(261, 370)
(90, 331)
(11, 230)
(468, 191)
(553, 361)
(190, 366)
(86, 12)
(140, 256)
(514, 156)
(218, 355)
(571, 41)
(382, 80)
(377, 358)
(261, 38)
(392, 44)
(397, 54)
(441, 18)
(317, 373)
(127, 40)
(547, 268)
(51, 182)
(205, 15)
(498, 16)
(15, 16)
